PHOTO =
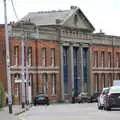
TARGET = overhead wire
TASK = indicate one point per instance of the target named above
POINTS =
(14, 10)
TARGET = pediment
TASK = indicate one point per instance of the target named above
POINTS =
(79, 21)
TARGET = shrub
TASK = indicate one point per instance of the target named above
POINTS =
(1, 95)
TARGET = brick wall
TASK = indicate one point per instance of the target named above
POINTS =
(106, 70)
(2, 57)
(37, 69)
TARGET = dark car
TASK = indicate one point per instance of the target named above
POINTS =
(94, 97)
(41, 99)
(112, 99)
(81, 98)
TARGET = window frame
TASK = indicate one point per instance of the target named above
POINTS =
(43, 56)
(16, 55)
(53, 62)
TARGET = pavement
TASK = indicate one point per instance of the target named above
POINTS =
(16, 110)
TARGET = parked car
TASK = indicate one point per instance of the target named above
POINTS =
(81, 98)
(94, 97)
(112, 99)
(100, 102)
(41, 99)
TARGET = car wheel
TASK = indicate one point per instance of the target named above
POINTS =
(107, 108)
(99, 106)
(48, 103)
(91, 101)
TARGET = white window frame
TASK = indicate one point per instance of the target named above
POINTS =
(16, 78)
(117, 59)
(43, 56)
(109, 59)
(29, 56)
(16, 55)
(52, 56)
(45, 83)
(102, 59)
(54, 80)
(95, 58)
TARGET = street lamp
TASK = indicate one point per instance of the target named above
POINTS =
(7, 59)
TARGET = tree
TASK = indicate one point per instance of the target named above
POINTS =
(2, 95)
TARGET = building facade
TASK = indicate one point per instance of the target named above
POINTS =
(62, 55)
(105, 61)
(42, 65)
(2, 58)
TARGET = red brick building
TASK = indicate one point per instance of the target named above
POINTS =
(105, 61)
(61, 55)
(2, 57)
(43, 67)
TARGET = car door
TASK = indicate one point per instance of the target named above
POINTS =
(101, 98)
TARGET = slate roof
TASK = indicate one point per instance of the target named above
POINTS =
(47, 17)
(59, 17)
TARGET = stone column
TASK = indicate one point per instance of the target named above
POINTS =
(71, 70)
(71, 66)
(62, 73)
(81, 68)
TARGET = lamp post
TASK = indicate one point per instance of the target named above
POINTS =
(7, 60)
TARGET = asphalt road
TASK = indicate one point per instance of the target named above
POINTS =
(85, 111)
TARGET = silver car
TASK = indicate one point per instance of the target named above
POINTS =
(112, 99)
(100, 102)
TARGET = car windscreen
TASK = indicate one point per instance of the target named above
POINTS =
(115, 90)
(40, 98)
(96, 94)
(106, 91)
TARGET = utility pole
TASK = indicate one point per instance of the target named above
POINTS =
(28, 82)
(27, 85)
(23, 70)
(27, 74)
(7, 60)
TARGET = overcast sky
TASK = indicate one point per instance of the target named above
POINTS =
(103, 14)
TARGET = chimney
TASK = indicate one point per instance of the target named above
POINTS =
(73, 7)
